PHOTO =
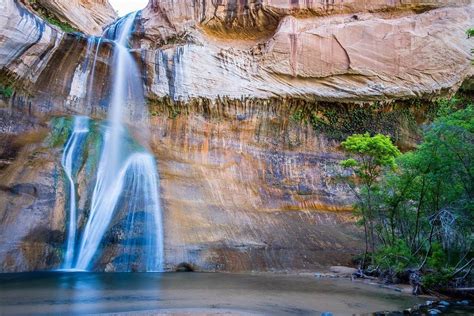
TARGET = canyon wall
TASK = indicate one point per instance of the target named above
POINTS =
(248, 102)
(87, 16)
(398, 50)
(418, 50)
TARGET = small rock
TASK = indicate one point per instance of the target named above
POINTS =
(342, 270)
(428, 303)
(444, 303)
(434, 312)
(318, 275)
(109, 267)
(326, 314)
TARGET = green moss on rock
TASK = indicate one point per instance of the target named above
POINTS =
(60, 130)
(51, 18)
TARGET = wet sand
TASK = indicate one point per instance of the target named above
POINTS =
(190, 294)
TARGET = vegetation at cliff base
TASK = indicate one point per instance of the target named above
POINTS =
(417, 208)
(373, 155)
(6, 91)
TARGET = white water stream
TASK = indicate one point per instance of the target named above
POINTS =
(126, 181)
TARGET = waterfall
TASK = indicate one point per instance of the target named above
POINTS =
(90, 87)
(72, 151)
(89, 47)
(127, 181)
(78, 88)
(140, 198)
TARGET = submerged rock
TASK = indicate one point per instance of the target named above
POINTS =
(109, 267)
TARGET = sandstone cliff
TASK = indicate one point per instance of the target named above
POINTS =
(349, 50)
(386, 54)
(248, 101)
(88, 16)
(352, 51)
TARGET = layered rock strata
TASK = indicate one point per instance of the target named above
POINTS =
(349, 51)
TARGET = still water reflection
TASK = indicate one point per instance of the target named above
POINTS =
(189, 293)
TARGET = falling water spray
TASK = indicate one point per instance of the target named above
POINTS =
(122, 171)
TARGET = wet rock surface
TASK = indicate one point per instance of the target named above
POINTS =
(31, 214)
(442, 307)
(233, 197)
(236, 197)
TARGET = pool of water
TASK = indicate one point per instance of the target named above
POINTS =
(190, 293)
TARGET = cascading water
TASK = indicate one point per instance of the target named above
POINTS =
(127, 180)
(90, 87)
(139, 199)
(72, 151)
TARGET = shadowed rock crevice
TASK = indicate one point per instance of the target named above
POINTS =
(185, 267)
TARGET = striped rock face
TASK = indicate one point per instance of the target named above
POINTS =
(331, 50)
(189, 50)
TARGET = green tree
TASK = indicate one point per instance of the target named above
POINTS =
(470, 32)
(422, 211)
(6, 91)
(447, 155)
(370, 156)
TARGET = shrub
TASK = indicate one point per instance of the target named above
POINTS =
(397, 257)
(66, 27)
(6, 91)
